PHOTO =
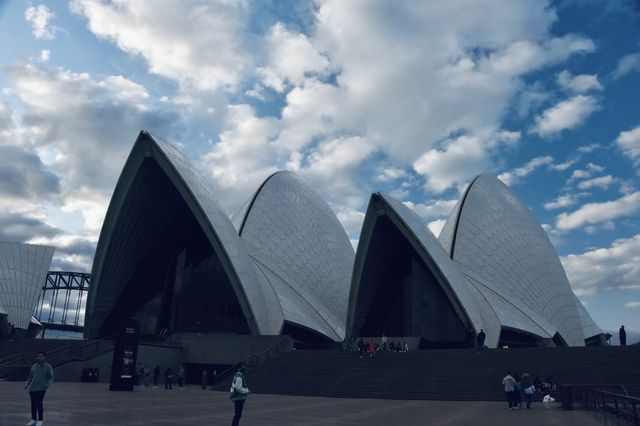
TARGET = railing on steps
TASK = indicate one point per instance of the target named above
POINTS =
(253, 360)
(592, 398)
(81, 353)
(57, 356)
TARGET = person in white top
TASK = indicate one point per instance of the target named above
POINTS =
(238, 393)
(509, 384)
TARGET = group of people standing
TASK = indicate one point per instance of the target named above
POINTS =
(516, 387)
(143, 373)
(371, 347)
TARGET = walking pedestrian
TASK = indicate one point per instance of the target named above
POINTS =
(509, 388)
(146, 375)
(181, 377)
(361, 347)
(238, 393)
(405, 346)
(372, 348)
(480, 340)
(622, 334)
(39, 379)
(138, 376)
(528, 388)
(213, 379)
(168, 379)
(518, 391)
(156, 376)
(204, 379)
(384, 342)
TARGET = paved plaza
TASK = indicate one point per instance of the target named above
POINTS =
(92, 404)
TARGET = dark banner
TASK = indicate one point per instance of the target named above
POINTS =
(125, 353)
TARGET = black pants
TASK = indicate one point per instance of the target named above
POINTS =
(511, 399)
(37, 408)
(239, 405)
(156, 379)
(168, 383)
(527, 398)
(180, 382)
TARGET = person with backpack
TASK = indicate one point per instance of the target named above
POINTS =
(39, 380)
(168, 379)
(238, 393)
(528, 389)
(518, 392)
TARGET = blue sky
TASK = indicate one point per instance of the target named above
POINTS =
(410, 98)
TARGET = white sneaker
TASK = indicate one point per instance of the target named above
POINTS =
(31, 423)
(39, 423)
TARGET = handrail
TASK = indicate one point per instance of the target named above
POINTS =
(622, 406)
(7, 360)
(55, 353)
(247, 360)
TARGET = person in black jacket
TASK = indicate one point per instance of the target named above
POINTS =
(156, 376)
(168, 379)
(622, 334)
(480, 340)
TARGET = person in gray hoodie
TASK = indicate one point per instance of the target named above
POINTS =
(39, 379)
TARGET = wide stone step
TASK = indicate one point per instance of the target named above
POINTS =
(440, 374)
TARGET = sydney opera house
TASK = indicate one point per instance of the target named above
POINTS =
(23, 270)
(169, 257)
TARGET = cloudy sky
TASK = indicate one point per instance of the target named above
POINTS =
(412, 98)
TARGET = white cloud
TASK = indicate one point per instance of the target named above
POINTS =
(437, 208)
(436, 226)
(461, 158)
(552, 233)
(560, 167)
(352, 222)
(245, 154)
(579, 83)
(77, 122)
(291, 57)
(513, 176)
(599, 182)
(39, 17)
(586, 173)
(589, 148)
(331, 168)
(531, 98)
(452, 77)
(634, 304)
(564, 115)
(197, 43)
(629, 143)
(595, 213)
(616, 267)
(391, 174)
(627, 64)
(45, 55)
(566, 200)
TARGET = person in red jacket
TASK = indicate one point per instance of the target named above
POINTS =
(372, 348)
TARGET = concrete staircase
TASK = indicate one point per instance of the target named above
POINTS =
(454, 374)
